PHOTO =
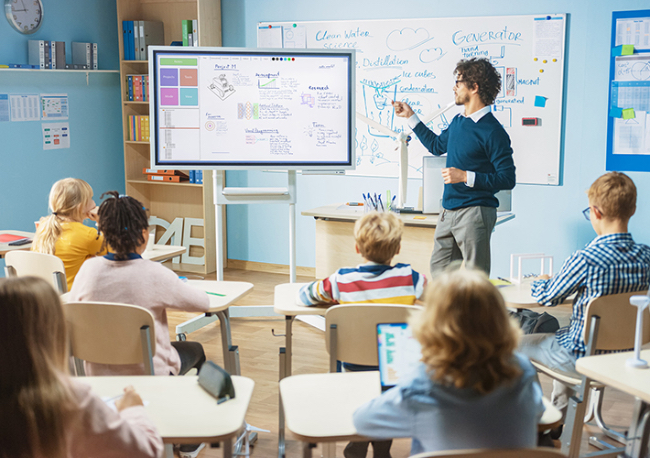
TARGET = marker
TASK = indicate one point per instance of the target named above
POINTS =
(355, 204)
(503, 279)
(215, 294)
(382, 205)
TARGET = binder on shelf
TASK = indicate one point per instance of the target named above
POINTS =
(95, 61)
(152, 33)
(129, 92)
(82, 54)
(20, 66)
(147, 171)
(59, 47)
(186, 26)
(136, 40)
(137, 88)
(192, 176)
(195, 32)
(167, 178)
(125, 40)
(129, 43)
(36, 53)
(48, 55)
(199, 176)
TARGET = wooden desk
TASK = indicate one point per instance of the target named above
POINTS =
(162, 253)
(181, 410)
(612, 371)
(5, 247)
(228, 293)
(328, 416)
(335, 238)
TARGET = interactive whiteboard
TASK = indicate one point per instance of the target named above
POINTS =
(221, 108)
(413, 60)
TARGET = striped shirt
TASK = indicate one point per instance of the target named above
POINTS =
(610, 264)
(367, 283)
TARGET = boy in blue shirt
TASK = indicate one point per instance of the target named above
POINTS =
(612, 263)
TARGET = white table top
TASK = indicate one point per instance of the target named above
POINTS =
(230, 292)
(328, 416)
(284, 301)
(163, 252)
(5, 247)
(611, 370)
(343, 212)
(182, 411)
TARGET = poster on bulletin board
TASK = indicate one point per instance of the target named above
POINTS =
(413, 60)
(628, 126)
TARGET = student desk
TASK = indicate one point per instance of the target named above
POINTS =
(327, 417)
(162, 253)
(335, 238)
(611, 370)
(5, 247)
(224, 293)
(182, 411)
(520, 296)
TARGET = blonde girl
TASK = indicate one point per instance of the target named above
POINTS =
(470, 390)
(63, 233)
(43, 411)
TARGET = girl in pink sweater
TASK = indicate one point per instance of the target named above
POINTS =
(123, 276)
(43, 411)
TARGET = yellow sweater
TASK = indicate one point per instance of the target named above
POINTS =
(76, 244)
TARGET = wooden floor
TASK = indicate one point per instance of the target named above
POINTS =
(259, 348)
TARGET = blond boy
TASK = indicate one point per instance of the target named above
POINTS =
(378, 237)
(612, 263)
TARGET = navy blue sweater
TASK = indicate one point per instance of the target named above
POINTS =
(482, 147)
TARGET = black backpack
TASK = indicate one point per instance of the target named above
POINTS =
(535, 323)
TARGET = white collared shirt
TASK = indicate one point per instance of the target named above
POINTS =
(476, 116)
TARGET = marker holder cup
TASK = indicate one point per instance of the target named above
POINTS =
(641, 302)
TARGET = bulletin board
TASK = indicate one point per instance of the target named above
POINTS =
(413, 60)
(628, 126)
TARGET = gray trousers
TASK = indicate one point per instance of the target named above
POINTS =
(463, 234)
(544, 348)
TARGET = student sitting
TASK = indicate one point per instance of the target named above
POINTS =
(470, 390)
(378, 237)
(612, 263)
(63, 233)
(123, 276)
(43, 411)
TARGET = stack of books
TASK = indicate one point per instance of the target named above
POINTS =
(165, 176)
(139, 35)
(137, 88)
(138, 128)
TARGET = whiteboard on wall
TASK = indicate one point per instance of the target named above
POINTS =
(413, 60)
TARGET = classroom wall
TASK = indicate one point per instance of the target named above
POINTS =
(548, 218)
(96, 152)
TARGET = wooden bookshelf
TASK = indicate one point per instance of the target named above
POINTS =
(168, 200)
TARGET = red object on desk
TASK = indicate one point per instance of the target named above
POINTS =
(6, 238)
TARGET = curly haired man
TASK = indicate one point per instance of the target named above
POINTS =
(479, 164)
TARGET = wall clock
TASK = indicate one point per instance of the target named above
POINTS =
(25, 16)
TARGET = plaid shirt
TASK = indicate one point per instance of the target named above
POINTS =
(610, 264)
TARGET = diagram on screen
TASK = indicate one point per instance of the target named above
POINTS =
(221, 87)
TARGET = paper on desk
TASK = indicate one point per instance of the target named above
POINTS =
(111, 400)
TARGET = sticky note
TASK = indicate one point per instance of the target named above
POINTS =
(623, 50)
(540, 101)
(628, 113)
(419, 217)
(616, 112)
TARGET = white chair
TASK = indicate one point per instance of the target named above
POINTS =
(351, 330)
(29, 263)
(514, 453)
(610, 323)
(108, 333)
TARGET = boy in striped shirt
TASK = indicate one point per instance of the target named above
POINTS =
(378, 237)
(612, 263)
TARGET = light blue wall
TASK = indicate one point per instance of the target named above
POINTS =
(96, 152)
(547, 219)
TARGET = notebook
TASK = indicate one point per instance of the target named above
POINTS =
(399, 353)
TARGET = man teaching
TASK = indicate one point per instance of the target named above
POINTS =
(479, 164)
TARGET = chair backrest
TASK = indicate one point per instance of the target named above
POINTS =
(355, 330)
(617, 325)
(29, 263)
(538, 452)
(108, 333)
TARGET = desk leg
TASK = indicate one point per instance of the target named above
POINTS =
(329, 449)
(169, 450)
(288, 326)
(637, 436)
(227, 448)
(281, 440)
(230, 354)
(306, 449)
